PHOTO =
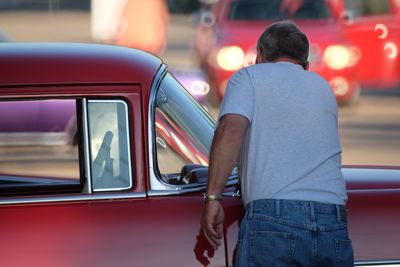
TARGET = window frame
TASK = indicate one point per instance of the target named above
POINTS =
(85, 178)
(88, 146)
(157, 186)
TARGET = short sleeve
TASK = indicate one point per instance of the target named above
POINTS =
(239, 96)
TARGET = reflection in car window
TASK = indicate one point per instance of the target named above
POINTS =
(278, 9)
(38, 149)
(109, 145)
(183, 129)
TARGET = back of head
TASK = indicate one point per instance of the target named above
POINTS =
(284, 40)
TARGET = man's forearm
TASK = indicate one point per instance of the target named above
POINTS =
(225, 151)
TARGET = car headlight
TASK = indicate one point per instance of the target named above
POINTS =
(338, 57)
(230, 58)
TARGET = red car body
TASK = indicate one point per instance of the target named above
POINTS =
(123, 208)
(375, 29)
(232, 29)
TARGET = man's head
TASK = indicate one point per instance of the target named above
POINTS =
(283, 41)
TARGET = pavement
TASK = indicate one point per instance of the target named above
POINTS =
(75, 26)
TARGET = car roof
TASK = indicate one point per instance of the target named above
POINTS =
(73, 63)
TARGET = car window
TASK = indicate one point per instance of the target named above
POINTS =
(278, 9)
(183, 130)
(109, 145)
(43, 147)
(361, 8)
(37, 140)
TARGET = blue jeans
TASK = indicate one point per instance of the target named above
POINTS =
(293, 233)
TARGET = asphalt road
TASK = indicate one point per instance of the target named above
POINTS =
(369, 130)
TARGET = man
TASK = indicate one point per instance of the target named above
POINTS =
(280, 122)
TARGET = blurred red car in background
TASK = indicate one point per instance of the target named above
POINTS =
(374, 26)
(226, 40)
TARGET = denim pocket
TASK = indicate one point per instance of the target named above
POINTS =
(268, 248)
(344, 253)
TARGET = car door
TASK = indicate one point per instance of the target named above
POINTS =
(87, 200)
(75, 201)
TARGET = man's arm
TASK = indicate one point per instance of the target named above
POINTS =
(224, 155)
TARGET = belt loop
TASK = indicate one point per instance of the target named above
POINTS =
(250, 215)
(339, 217)
(312, 211)
(277, 208)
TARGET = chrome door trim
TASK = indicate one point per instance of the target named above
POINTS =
(88, 185)
(184, 189)
(383, 263)
(66, 199)
(155, 183)
(176, 190)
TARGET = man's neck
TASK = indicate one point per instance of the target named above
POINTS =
(286, 59)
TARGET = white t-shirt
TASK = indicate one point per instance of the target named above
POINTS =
(291, 148)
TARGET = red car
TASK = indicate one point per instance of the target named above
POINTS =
(374, 26)
(129, 193)
(227, 41)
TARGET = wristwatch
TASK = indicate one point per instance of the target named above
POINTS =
(208, 197)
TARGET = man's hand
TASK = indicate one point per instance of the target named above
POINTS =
(212, 222)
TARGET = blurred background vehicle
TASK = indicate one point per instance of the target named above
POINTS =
(226, 40)
(374, 26)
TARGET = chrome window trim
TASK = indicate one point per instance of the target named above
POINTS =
(157, 186)
(88, 185)
(88, 197)
(128, 144)
(155, 183)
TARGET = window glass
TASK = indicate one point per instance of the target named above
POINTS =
(278, 9)
(109, 145)
(183, 130)
(360, 8)
(38, 148)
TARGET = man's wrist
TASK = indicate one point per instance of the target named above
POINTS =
(211, 197)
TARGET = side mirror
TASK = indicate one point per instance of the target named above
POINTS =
(194, 174)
